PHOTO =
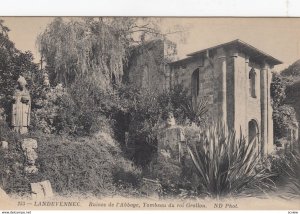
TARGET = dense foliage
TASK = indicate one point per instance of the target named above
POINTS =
(284, 115)
(93, 48)
(292, 72)
(144, 114)
(80, 110)
(84, 164)
(13, 63)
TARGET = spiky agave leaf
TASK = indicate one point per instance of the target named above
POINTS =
(227, 165)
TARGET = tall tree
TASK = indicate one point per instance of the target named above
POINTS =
(284, 115)
(93, 48)
(13, 63)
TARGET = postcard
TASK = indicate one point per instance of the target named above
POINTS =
(149, 113)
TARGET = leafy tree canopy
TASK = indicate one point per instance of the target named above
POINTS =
(93, 48)
(13, 63)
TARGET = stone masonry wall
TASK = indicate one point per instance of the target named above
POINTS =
(146, 66)
(209, 82)
(239, 107)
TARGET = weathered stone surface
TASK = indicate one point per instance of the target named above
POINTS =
(41, 190)
(29, 146)
(4, 145)
(147, 68)
(224, 81)
(169, 143)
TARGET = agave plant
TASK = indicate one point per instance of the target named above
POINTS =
(227, 164)
(196, 110)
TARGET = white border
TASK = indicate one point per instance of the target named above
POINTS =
(248, 8)
(244, 8)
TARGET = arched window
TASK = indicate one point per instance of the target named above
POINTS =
(252, 77)
(195, 84)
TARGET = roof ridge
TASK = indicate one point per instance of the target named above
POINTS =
(238, 41)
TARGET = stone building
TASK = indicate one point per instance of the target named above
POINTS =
(147, 65)
(235, 79)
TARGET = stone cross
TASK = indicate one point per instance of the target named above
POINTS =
(29, 147)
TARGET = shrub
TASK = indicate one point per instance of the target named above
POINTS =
(90, 164)
(284, 115)
(82, 164)
(286, 167)
(75, 166)
(82, 109)
(46, 109)
(126, 174)
(196, 111)
(226, 164)
(139, 117)
(12, 178)
(143, 114)
(169, 173)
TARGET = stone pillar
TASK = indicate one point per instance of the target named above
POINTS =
(223, 74)
(247, 69)
(170, 143)
(234, 93)
(264, 108)
(270, 140)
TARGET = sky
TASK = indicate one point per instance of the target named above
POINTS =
(279, 37)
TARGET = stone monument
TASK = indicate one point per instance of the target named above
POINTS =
(21, 107)
(41, 190)
(4, 145)
(171, 139)
(29, 147)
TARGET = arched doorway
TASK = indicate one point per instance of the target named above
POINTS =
(195, 85)
(253, 134)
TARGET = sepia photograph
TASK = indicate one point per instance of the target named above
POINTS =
(107, 113)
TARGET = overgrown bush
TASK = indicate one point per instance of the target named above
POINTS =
(12, 178)
(169, 173)
(284, 115)
(46, 109)
(286, 167)
(143, 115)
(90, 164)
(82, 164)
(126, 174)
(81, 109)
(227, 164)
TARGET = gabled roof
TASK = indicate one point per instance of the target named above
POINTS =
(241, 46)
